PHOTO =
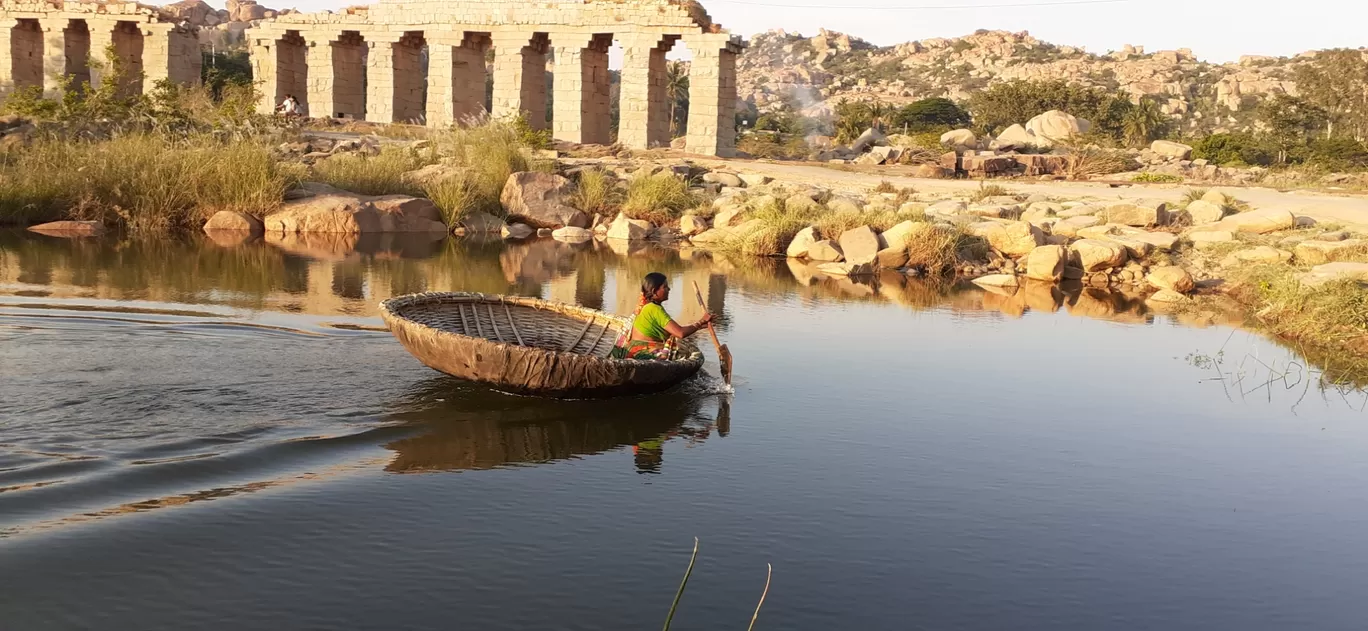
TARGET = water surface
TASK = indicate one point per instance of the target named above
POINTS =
(222, 436)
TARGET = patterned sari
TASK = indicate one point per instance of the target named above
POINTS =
(628, 348)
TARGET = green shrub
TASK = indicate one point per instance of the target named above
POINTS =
(1234, 150)
(1157, 178)
(1338, 154)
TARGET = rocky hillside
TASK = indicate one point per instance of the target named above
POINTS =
(781, 68)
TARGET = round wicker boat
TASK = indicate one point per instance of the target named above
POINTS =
(528, 346)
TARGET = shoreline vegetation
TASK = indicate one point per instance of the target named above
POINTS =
(177, 158)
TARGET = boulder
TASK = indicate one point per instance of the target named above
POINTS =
(626, 229)
(868, 139)
(711, 236)
(1170, 277)
(1081, 210)
(538, 200)
(1166, 296)
(1258, 221)
(931, 172)
(755, 179)
(725, 179)
(947, 208)
(1260, 254)
(1316, 252)
(1321, 274)
(1019, 137)
(860, 246)
(342, 212)
(728, 216)
(799, 203)
(825, 251)
(517, 231)
(1146, 212)
(1171, 150)
(897, 236)
(1218, 198)
(747, 227)
(690, 225)
(843, 205)
(802, 242)
(234, 221)
(1208, 239)
(1047, 263)
(1203, 212)
(1013, 238)
(1056, 125)
(572, 234)
(478, 222)
(1070, 227)
(997, 280)
(959, 139)
(1095, 255)
(69, 228)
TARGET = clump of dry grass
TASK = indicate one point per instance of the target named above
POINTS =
(1332, 316)
(596, 192)
(1089, 161)
(381, 174)
(986, 190)
(657, 198)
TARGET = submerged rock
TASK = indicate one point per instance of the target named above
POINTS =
(69, 228)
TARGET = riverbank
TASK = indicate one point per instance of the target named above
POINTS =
(1294, 261)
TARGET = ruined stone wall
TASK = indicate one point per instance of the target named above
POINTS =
(571, 38)
(51, 44)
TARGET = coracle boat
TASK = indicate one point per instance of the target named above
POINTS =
(528, 346)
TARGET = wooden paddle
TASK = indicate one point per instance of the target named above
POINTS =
(724, 355)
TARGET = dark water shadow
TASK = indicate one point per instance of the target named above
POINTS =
(465, 427)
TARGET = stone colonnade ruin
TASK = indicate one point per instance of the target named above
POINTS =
(428, 62)
(52, 44)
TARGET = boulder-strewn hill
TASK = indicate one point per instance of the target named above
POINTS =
(780, 68)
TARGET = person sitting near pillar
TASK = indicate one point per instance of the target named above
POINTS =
(289, 107)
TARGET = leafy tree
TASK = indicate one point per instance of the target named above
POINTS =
(1012, 102)
(935, 114)
(1337, 80)
(1142, 123)
(1290, 122)
(1340, 154)
(852, 119)
(677, 95)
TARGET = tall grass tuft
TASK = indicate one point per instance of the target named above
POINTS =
(487, 153)
(381, 174)
(1333, 316)
(986, 190)
(454, 195)
(596, 193)
(145, 181)
(657, 198)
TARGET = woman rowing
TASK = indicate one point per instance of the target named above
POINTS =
(651, 332)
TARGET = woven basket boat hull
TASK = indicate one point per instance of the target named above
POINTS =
(528, 346)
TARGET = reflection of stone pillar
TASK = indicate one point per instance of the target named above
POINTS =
(713, 286)
(581, 85)
(562, 289)
(712, 94)
(641, 100)
(520, 76)
(589, 282)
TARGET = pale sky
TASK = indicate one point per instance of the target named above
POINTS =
(1215, 30)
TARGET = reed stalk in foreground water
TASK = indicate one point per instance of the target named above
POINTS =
(680, 594)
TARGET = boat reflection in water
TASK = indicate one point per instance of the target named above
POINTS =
(463, 427)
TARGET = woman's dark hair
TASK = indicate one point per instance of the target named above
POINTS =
(652, 282)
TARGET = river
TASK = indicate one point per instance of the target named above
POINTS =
(222, 436)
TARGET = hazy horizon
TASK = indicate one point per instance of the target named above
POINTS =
(1216, 30)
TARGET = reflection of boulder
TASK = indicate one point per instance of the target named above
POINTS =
(1101, 304)
(537, 261)
(1042, 296)
(805, 272)
(328, 246)
(474, 428)
(231, 238)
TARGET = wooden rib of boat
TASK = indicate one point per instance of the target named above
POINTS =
(528, 346)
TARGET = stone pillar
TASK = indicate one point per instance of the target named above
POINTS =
(520, 76)
(348, 74)
(78, 55)
(469, 78)
(380, 77)
(582, 112)
(54, 56)
(410, 88)
(712, 95)
(7, 55)
(263, 57)
(318, 55)
(101, 39)
(440, 86)
(170, 54)
(24, 54)
(641, 97)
